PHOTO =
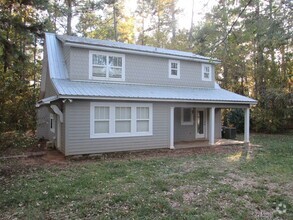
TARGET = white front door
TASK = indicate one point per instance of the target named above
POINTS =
(200, 123)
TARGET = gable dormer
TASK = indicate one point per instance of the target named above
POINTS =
(97, 60)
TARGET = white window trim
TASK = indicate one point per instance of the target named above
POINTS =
(182, 117)
(112, 107)
(202, 72)
(91, 53)
(178, 69)
(53, 122)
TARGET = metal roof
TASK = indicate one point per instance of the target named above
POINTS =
(90, 89)
(111, 90)
(56, 62)
(133, 47)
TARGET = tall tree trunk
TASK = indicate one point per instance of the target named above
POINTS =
(191, 25)
(260, 56)
(173, 21)
(159, 24)
(115, 21)
(69, 17)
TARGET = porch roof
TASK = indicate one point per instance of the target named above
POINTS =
(111, 90)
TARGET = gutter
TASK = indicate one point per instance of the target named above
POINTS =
(156, 100)
(46, 101)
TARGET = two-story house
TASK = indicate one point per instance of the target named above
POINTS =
(103, 96)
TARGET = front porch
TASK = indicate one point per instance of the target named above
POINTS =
(200, 126)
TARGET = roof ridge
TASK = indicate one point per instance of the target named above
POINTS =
(133, 47)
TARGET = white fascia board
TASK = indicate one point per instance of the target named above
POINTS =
(155, 100)
(111, 49)
(46, 101)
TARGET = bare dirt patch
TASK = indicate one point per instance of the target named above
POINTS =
(239, 182)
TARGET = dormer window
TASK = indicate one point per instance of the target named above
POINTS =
(107, 66)
(206, 72)
(174, 69)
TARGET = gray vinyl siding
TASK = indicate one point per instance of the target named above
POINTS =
(155, 70)
(218, 123)
(66, 53)
(50, 90)
(63, 131)
(79, 64)
(77, 127)
(78, 139)
(143, 69)
(43, 123)
(187, 132)
(182, 132)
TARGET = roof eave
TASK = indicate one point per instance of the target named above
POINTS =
(132, 51)
(158, 100)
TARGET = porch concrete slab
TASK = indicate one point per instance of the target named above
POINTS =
(205, 143)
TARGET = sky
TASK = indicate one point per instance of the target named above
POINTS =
(184, 20)
(201, 7)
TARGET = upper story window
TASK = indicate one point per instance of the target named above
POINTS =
(107, 66)
(206, 72)
(174, 69)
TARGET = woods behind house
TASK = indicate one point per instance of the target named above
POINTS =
(252, 38)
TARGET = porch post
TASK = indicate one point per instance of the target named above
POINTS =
(212, 126)
(172, 128)
(246, 125)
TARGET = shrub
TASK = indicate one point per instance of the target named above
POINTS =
(15, 139)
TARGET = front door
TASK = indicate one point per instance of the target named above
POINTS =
(200, 123)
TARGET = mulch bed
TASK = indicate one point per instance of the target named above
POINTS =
(153, 153)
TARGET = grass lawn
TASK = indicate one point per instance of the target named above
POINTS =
(236, 185)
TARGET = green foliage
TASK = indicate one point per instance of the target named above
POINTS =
(20, 33)
(235, 118)
(16, 140)
(256, 56)
(273, 111)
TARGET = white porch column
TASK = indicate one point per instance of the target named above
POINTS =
(172, 128)
(246, 125)
(212, 126)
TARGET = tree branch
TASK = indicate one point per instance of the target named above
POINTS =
(232, 26)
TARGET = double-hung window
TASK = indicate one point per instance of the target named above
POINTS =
(174, 69)
(101, 120)
(142, 119)
(107, 66)
(206, 72)
(120, 119)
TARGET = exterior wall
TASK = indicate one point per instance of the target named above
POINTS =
(79, 64)
(43, 123)
(187, 132)
(43, 126)
(78, 139)
(218, 123)
(66, 54)
(182, 132)
(50, 90)
(141, 68)
(77, 127)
